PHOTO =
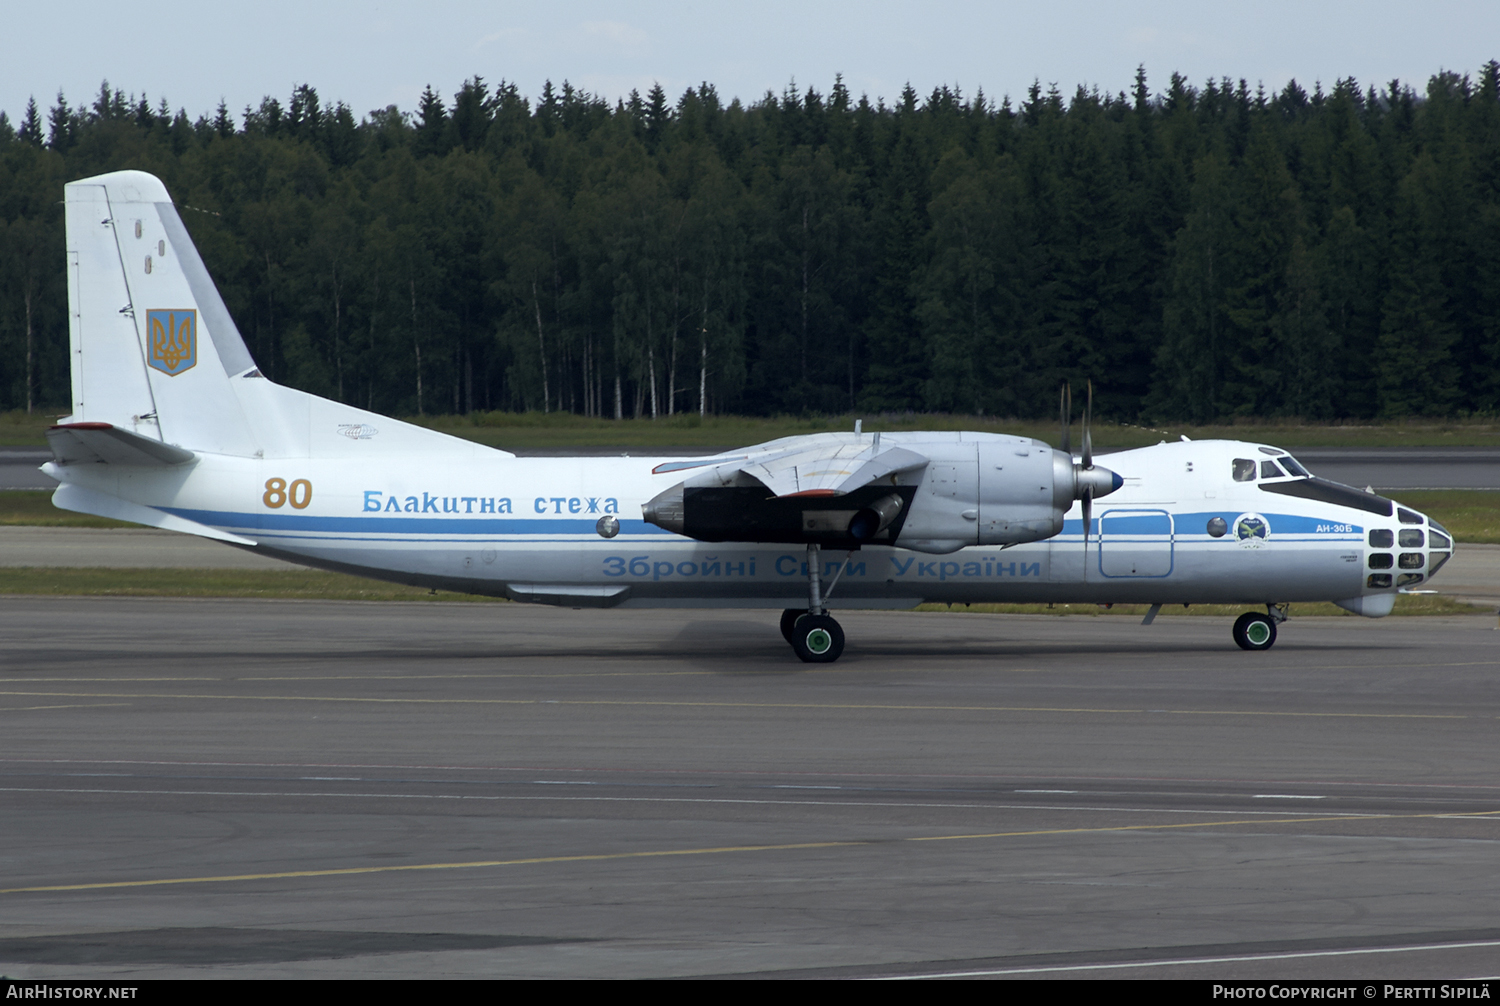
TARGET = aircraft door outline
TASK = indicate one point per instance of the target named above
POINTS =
(1136, 543)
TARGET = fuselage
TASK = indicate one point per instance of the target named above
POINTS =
(1187, 527)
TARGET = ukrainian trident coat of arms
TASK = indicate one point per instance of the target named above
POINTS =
(171, 340)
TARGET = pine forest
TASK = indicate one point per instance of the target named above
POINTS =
(1200, 252)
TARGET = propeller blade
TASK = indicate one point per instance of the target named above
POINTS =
(1065, 408)
(1088, 515)
(1088, 437)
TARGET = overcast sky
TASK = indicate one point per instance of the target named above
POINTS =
(370, 55)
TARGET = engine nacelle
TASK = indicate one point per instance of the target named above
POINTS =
(974, 490)
(997, 493)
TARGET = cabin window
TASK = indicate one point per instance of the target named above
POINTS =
(1217, 527)
(1268, 470)
(1411, 538)
(1410, 560)
(1382, 538)
(1380, 560)
(1408, 516)
(1244, 470)
(1379, 580)
(1407, 579)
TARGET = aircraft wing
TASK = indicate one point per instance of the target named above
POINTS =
(811, 470)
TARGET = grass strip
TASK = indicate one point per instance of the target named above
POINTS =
(560, 430)
(293, 584)
(1472, 515)
(33, 508)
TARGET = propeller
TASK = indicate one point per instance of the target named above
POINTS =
(1088, 481)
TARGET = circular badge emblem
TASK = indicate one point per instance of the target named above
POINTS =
(1252, 530)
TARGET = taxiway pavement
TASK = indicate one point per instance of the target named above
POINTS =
(252, 788)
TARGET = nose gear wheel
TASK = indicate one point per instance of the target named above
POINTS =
(1254, 631)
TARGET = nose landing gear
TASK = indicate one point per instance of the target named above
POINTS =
(816, 637)
(1254, 631)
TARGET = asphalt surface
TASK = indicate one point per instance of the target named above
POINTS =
(1388, 469)
(243, 788)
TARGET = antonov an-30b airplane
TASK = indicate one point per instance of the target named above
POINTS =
(174, 427)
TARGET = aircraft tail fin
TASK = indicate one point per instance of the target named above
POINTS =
(155, 353)
(153, 346)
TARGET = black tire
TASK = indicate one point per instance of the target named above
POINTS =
(817, 639)
(1254, 631)
(789, 622)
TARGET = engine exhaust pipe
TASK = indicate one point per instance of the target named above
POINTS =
(875, 518)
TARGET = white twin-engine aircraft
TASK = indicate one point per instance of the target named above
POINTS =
(174, 427)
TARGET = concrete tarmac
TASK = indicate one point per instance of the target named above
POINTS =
(275, 789)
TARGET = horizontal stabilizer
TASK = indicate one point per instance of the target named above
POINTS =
(93, 443)
(81, 500)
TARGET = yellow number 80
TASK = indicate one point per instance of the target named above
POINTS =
(277, 496)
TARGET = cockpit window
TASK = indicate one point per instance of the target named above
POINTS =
(1440, 540)
(1268, 470)
(1272, 451)
(1291, 465)
(1407, 516)
(1244, 470)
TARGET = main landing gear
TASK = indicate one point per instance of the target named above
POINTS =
(1254, 631)
(815, 637)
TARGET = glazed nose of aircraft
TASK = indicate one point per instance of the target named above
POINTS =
(1407, 554)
